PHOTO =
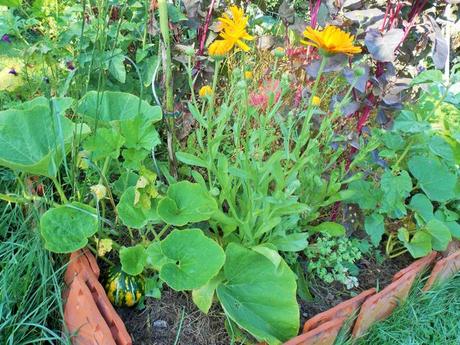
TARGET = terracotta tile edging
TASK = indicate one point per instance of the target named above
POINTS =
(342, 310)
(374, 306)
(443, 270)
(325, 334)
(418, 265)
(88, 313)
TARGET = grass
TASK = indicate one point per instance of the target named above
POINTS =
(31, 310)
(426, 318)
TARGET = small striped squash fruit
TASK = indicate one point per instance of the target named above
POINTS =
(124, 290)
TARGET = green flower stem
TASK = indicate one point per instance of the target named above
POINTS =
(90, 247)
(214, 83)
(60, 190)
(164, 28)
(318, 78)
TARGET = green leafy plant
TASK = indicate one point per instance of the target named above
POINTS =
(332, 259)
(420, 183)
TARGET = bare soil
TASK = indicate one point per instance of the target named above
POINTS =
(175, 316)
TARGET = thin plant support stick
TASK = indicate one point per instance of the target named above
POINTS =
(169, 106)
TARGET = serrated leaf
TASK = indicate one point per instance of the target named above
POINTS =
(106, 142)
(375, 227)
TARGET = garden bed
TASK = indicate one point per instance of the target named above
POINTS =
(236, 168)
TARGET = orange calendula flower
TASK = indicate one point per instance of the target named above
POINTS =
(331, 40)
(205, 91)
(232, 32)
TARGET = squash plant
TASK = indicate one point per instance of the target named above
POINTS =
(420, 183)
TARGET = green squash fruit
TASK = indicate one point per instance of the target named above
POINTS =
(124, 290)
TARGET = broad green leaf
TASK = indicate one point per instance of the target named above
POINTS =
(139, 133)
(419, 245)
(117, 67)
(133, 259)
(440, 147)
(407, 122)
(330, 228)
(10, 3)
(395, 190)
(428, 76)
(435, 179)
(194, 259)
(393, 141)
(110, 106)
(364, 194)
(422, 206)
(66, 228)
(31, 139)
(440, 234)
(375, 227)
(291, 243)
(106, 142)
(135, 216)
(270, 252)
(186, 202)
(203, 296)
(453, 225)
(155, 257)
(134, 158)
(126, 180)
(153, 287)
(258, 297)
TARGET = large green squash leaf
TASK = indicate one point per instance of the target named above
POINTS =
(396, 188)
(188, 259)
(440, 234)
(258, 296)
(419, 245)
(106, 142)
(110, 106)
(133, 259)
(31, 139)
(66, 228)
(435, 179)
(132, 215)
(186, 202)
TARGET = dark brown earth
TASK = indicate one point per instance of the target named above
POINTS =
(371, 274)
(175, 316)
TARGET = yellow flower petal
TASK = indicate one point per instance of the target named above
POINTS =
(331, 40)
(205, 91)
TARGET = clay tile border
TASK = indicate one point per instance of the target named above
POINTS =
(325, 334)
(443, 270)
(418, 265)
(88, 313)
(342, 310)
(381, 305)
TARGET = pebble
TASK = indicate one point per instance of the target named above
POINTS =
(160, 324)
